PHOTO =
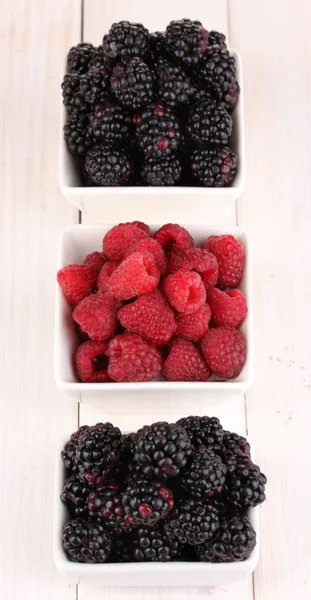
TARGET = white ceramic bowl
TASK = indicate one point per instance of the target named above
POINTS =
(144, 574)
(114, 204)
(76, 242)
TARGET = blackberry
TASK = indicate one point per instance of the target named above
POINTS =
(79, 58)
(100, 60)
(214, 167)
(153, 545)
(246, 484)
(157, 131)
(94, 85)
(173, 86)
(98, 449)
(108, 165)
(162, 450)
(192, 522)
(126, 39)
(72, 98)
(230, 95)
(209, 125)
(147, 501)
(132, 83)
(74, 495)
(215, 38)
(186, 41)
(78, 134)
(110, 124)
(217, 72)
(68, 454)
(205, 431)
(157, 44)
(161, 171)
(205, 476)
(86, 542)
(111, 513)
(235, 443)
(234, 541)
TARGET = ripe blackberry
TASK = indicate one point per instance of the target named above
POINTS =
(161, 171)
(111, 513)
(234, 541)
(147, 501)
(215, 38)
(205, 431)
(235, 443)
(86, 542)
(153, 545)
(209, 125)
(192, 522)
(78, 134)
(162, 450)
(108, 165)
(72, 98)
(110, 124)
(205, 475)
(132, 83)
(174, 88)
(94, 85)
(217, 72)
(186, 41)
(100, 60)
(126, 39)
(79, 58)
(245, 483)
(68, 454)
(74, 495)
(214, 167)
(157, 131)
(99, 448)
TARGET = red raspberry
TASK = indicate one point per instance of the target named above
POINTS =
(105, 274)
(185, 363)
(132, 359)
(224, 349)
(92, 362)
(151, 246)
(228, 308)
(142, 226)
(111, 301)
(118, 239)
(195, 259)
(185, 291)
(230, 256)
(95, 317)
(136, 275)
(77, 282)
(95, 260)
(195, 326)
(171, 236)
(151, 317)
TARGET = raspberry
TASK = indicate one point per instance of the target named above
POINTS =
(95, 317)
(150, 245)
(91, 362)
(132, 359)
(185, 363)
(151, 317)
(230, 256)
(118, 239)
(105, 274)
(142, 226)
(77, 282)
(171, 236)
(111, 301)
(185, 291)
(224, 349)
(195, 259)
(136, 275)
(194, 327)
(228, 308)
(95, 260)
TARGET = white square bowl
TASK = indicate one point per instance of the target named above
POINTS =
(76, 242)
(172, 574)
(114, 204)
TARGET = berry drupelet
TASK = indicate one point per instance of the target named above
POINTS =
(209, 125)
(206, 431)
(126, 39)
(157, 131)
(213, 167)
(192, 522)
(86, 542)
(205, 476)
(234, 541)
(79, 58)
(108, 165)
(186, 41)
(132, 83)
(147, 501)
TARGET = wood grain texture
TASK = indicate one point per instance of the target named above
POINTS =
(34, 39)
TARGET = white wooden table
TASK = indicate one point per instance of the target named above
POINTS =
(274, 40)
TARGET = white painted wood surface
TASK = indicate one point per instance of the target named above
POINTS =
(275, 209)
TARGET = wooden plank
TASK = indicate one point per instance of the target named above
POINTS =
(34, 39)
(274, 41)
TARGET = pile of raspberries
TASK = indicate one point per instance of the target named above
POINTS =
(156, 305)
